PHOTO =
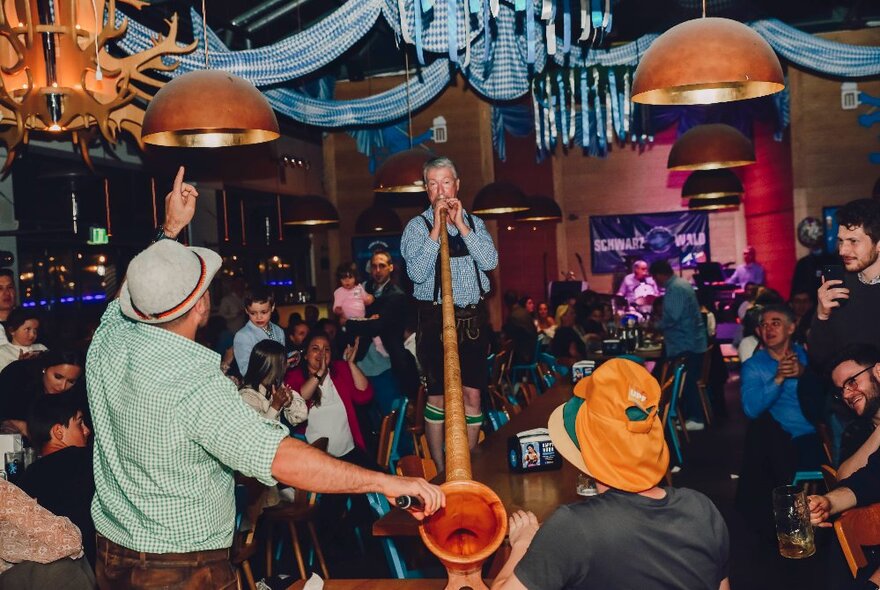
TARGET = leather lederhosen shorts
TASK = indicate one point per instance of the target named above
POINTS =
(472, 323)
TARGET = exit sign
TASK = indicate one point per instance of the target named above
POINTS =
(97, 236)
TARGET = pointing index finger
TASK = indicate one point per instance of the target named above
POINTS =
(178, 180)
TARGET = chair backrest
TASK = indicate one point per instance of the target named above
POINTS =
(386, 436)
(858, 528)
(250, 498)
(415, 466)
(399, 406)
(672, 388)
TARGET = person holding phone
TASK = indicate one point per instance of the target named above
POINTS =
(849, 296)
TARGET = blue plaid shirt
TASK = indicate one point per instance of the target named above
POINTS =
(420, 253)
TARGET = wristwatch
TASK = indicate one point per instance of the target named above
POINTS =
(160, 234)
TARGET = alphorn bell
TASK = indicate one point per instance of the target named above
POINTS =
(472, 526)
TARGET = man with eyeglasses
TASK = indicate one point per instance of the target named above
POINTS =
(847, 310)
(779, 440)
(855, 373)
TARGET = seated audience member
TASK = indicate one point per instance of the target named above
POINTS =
(331, 390)
(676, 537)
(61, 480)
(520, 328)
(855, 373)
(263, 388)
(331, 328)
(567, 343)
(22, 330)
(38, 550)
(24, 381)
(638, 288)
(779, 440)
(295, 337)
(545, 323)
(259, 305)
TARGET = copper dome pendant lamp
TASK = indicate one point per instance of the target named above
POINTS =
(208, 109)
(710, 146)
(705, 61)
(403, 172)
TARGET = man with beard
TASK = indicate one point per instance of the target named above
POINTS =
(845, 309)
(856, 376)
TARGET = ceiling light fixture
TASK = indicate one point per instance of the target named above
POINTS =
(711, 146)
(712, 184)
(715, 205)
(378, 219)
(541, 208)
(209, 109)
(60, 77)
(310, 210)
(498, 198)
(706, 61)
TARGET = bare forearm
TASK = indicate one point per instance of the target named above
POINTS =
(860, 458)
(309, 387)
(302, 466)
(360, 380)
(841, 499)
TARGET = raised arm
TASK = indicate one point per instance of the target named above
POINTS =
(180, 206)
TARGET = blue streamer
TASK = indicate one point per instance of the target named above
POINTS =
(417, 17)
(615, 106)
(452, 30)
(563, 118)
(475, 5)
(520, 5)
(566, 26)
(530, 32)
(596, 13)
(487, 33)
(585, 109)
(600, 117)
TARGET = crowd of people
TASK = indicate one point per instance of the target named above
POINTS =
(173, 397)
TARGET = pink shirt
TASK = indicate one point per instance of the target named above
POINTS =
(351, 301)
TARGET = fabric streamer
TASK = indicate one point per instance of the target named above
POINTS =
(417, 25)
(585, 109)
(566, 26)
(530, 32)
(452, 29)
(563, 116)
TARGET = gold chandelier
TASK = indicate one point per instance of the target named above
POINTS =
(57, 76)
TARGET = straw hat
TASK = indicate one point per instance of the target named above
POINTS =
(166, 280)
(611, 429)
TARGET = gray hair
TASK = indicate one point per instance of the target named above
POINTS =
(441, 162)
(638, 262)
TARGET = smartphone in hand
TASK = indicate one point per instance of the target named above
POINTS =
(834, 272)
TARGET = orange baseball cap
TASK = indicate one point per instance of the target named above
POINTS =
(611, 428)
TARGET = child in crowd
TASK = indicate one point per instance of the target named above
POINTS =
(351, 299)
(263, 389)
(259, 305)
(22, 329)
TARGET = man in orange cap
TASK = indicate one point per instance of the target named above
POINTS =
(634, 534)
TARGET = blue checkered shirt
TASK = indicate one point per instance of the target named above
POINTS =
(420, 253)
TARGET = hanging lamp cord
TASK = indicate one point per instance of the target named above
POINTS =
(205, 32)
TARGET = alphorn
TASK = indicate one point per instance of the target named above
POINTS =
(472, 526)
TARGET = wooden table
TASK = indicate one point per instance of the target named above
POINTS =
(373, 584)
(541, 492)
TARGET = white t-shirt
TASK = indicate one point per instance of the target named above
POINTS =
(330, 420)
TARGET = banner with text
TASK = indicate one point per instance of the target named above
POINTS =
(618, 240)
